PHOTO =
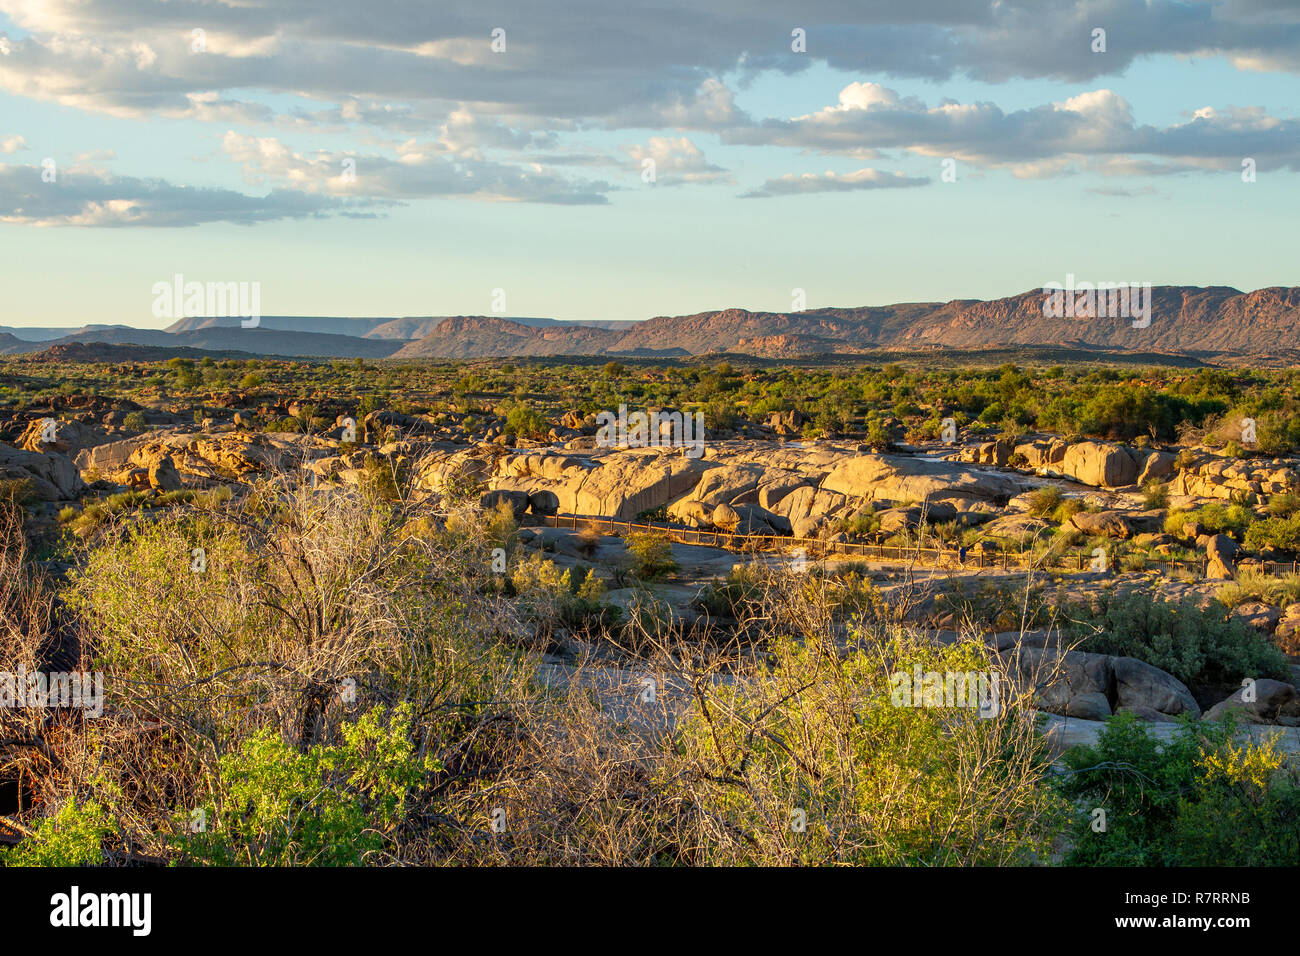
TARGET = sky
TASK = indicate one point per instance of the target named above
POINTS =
(582, 159)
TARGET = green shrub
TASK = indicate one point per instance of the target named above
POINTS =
(573, 598)
(1253, 584)
(652, 555)
(16, 491)
(818, 736)
(1043, 501)
(525, 421)
(72, 837)
(1155, 494)
(1067, 509)
(1197, 800)
(330, 806)
(742, 589)
(1197, 646)
(1214, 518)
(1283, 505)
(1280, 533)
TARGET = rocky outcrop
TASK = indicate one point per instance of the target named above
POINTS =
(1261, 617)
(456, 469)
(208, 458)
(516, 500)
(777, 483)
(788, 484)
(49, 477)
(809, 502)
(380, 423)
(66, 437)
(617, 483)
(1287, 631)
(1042, 452)
(1211, 476)
(1093, 686)
(996, 453)
(786, 423)
(110, 456)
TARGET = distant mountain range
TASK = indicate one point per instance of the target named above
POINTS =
(1184, 320)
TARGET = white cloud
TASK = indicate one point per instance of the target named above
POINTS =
(626, 61)
(415, 174)
(830, 182)
(88, 197)
(1096, 126)
(676, 161)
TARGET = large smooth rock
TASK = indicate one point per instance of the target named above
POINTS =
(1287, 632)
(776, 484)
(1016, 526)
(518, 501)
(761, 520)
(1262, 617)
(1221, 552)
(896, 478)
(1110, 524)
(727, 483)
(1100, 464)
(50, 477)
(111, 456)
(1042, 453)
(809, 502)
(807, 526)
(1088, 706)
(1157, 464)
(691, 512)
(627, 483)
(1076, 683)
(444, 470)
(725, 517)
(163, 475)
(1275, 702)
(543, 502)
(69, 437)
(1139, 684)
(1058, 677)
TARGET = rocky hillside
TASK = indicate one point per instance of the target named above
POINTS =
(477, 336)
(259, 341)
(1185, 320)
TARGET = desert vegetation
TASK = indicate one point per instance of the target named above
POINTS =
(336, 626)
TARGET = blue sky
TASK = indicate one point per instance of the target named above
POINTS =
(522, 170)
